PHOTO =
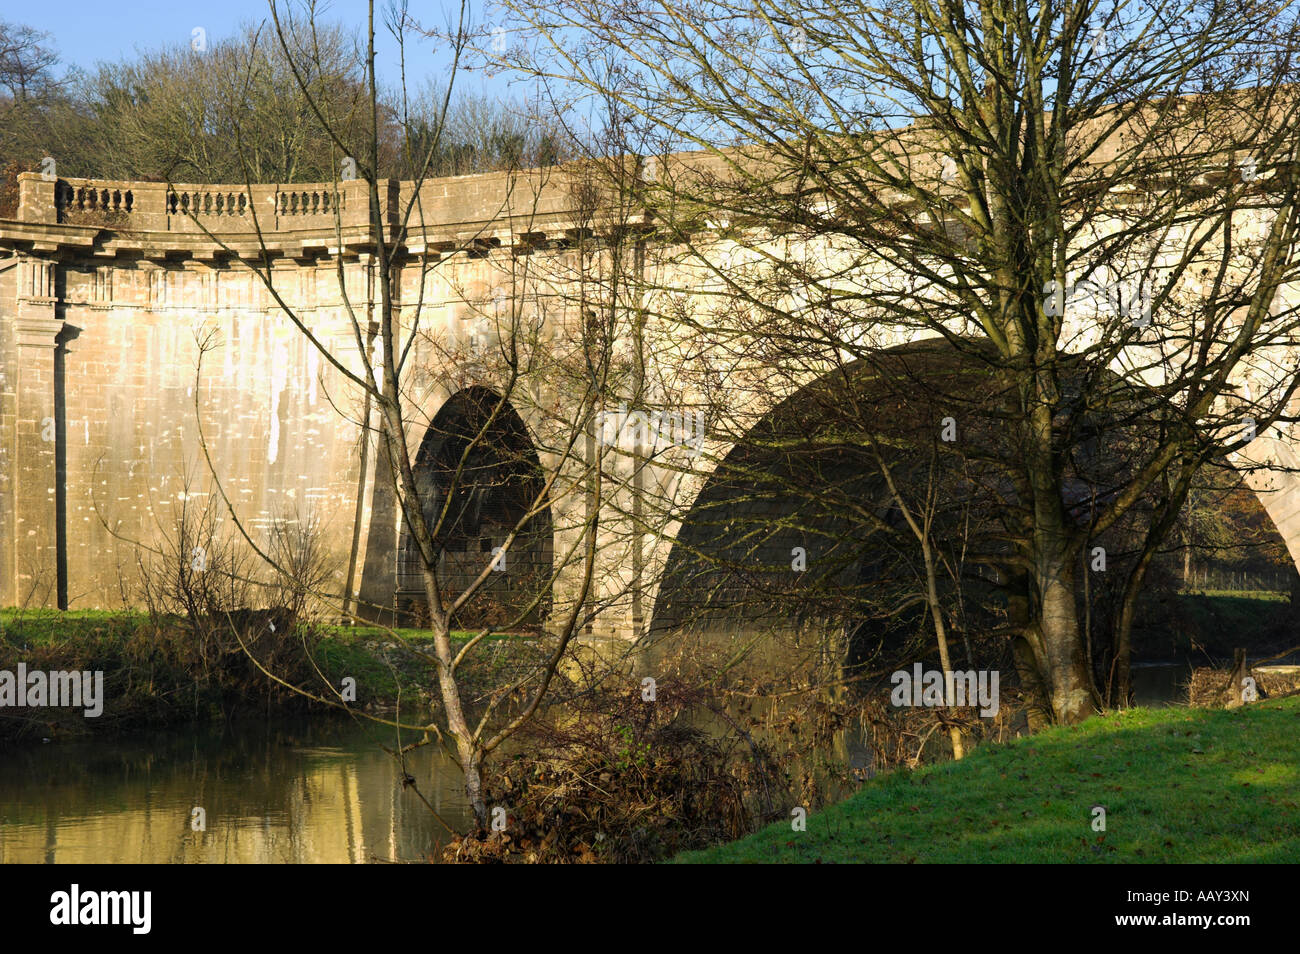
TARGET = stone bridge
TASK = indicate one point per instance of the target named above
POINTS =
(148, 373)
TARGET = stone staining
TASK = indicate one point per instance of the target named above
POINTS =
(282, 426)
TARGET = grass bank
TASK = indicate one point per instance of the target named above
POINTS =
(156, 672)
(1177, 785)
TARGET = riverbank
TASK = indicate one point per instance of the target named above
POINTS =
(157, 673)
(1205, 626)
(1177, 786)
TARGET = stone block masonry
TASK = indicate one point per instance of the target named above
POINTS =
(148, 375)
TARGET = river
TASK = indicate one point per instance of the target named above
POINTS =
(294, 790)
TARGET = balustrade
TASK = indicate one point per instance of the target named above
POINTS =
(72, 197)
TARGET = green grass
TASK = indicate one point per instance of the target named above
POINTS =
(356, 651)
(1245, 597)
(42, 627)
(408, 635)
(153, 674)
(1178, 785)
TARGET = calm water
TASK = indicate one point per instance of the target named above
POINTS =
(1160, 684)
(284, 791)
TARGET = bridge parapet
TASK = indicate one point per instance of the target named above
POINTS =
(183, 207)
(515, 208)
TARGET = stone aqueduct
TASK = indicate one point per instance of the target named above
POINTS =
(106, 289)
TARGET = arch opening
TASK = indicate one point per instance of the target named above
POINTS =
(796, 552)
(479, 479)
(796, 542)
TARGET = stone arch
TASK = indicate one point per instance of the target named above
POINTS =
(478, 449)
(764, 532)
(746, 552)
(1278, 488)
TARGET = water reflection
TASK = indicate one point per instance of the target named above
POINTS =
(287, 791)
(1158, 685)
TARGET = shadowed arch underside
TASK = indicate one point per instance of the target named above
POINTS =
(797, 542)
(479, 480)
(796, 547)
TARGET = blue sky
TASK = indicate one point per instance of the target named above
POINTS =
(87, 31)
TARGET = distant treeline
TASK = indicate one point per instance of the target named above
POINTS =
(235, 111)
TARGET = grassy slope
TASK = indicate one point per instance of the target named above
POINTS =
(1178, 785)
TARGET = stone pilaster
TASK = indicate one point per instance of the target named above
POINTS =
(34, 463)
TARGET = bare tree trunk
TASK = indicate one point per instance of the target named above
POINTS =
(1058, 646)
(941, 636)
(1123, 638)
(1123, 689)
(1071, 689)
(1061, 652)
(358, 513)
(1037, 708)
(922, 529)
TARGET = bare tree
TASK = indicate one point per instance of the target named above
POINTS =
(514, 457)
(1094, 202)
(26, 60)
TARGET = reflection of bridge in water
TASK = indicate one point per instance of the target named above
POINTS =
(290, 792)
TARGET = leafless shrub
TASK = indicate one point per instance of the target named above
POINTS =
(301, 566)
(613, 777)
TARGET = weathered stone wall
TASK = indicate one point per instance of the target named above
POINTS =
(117, 384)
(150, 375)
(112, 291)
